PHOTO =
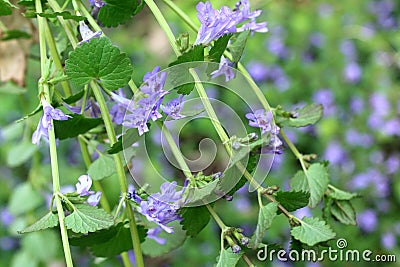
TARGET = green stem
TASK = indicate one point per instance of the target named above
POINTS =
(66, 25)
(294, 150)
(52, 140)
(56, 58)
(181, 14)
(120, 171)
(175, 150)
(164, 25)
(216, 218)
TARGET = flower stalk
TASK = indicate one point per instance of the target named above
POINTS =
(52, 138)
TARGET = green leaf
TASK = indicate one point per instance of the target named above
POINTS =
(308, 115)
(5, 8)
(86, 218)
(219, 48)
(265, 217)
(153, 249)
(340, 194)
(292, 200)
(343, 211)
(181, 77)
(315, 181)
(109, 242)
(20, 153)
(74, 98)
(312, 231)
(15, 34)
(24, 198)
(101, 168)
(99, 60)
(64, 14)
(197, 196)
(49, 220)
(194, 54)
(194, 219)
(117, 12)
(23, 258)
(36, 110)
(75, 126)
(228, 258)
(126, 140)
(238, 44)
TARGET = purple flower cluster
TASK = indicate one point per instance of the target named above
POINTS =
(46, 122)
(225, 68)
(161, 208)
(83, 189)
(385, 12)
(264, 120)
(215, 23)
(139, 114)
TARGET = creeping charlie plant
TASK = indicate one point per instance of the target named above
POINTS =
(86, 93)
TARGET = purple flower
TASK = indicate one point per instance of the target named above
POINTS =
(97, 3)
(379, 104)
(154, 82)
(261, 119)
(94, 199)
(118, 110)
(174, 107)
(352, 72)
(355, 138)
(161, 208)
(258, 71)
(83, 186)
(215, 23)
(335, 153)
(326, 98)
(348, 49)
(367, 220)
(225, 68)
(6, 217)
(392, 164)
(253, 26)
(133, 195)
(151, 105)
(153, 234)
(392, 127)
(137, 119)
(86, 33)
(357, 105)
(45, 123)
(388, 240)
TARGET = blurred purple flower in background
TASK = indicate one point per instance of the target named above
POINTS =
(6, 217)
(357, 105)
(367, 220)
(388, 240)
(352, 72)
(325, 97)
(335, 153)
(349, 50)
(355, 138)
(258, 71)
(393, 164)
(97, 3)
